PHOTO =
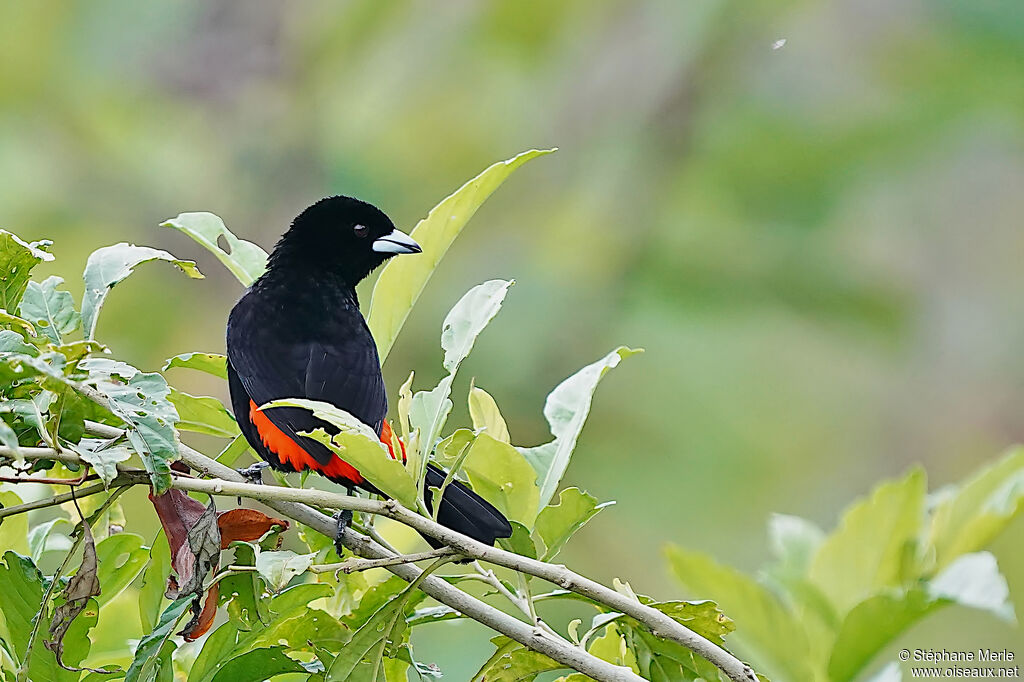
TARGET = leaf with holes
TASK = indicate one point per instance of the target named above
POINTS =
(17, 258)
(141, 401)
(245, 260)
(51, 311)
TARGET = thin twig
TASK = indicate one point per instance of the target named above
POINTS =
(354, 565)
(51, 501)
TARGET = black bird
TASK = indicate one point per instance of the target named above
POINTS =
(297, 332)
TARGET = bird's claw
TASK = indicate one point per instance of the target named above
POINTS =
(254, 473)
(344, 519)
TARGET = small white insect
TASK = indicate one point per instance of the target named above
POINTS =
(779, 44)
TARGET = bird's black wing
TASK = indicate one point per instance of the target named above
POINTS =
(339, 366)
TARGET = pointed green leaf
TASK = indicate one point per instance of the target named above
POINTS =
(500, 474)
(467, 319)
(794, 541)
(203, 414)
(402, 280)
(245, 260)
(515, 663)
(211, 363)
(372, 460)
(17, 258)
(875, 539)
(972, 580)
(970, 517)
(765, 630)
(103, 457)
(258, 665)
(556, 523)
(154, 582)
(278, 568)
(109, 265)
(360, 660)
(141, 400)
(122, 557)
(486, 416)
(146, 660)
(428, 412)
(566, 410)
(50, 310)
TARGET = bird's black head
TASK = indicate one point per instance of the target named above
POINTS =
(341, 236)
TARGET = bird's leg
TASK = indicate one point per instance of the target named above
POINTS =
(254, 473)
(344, 519)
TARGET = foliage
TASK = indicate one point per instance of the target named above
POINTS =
(828, 604)
(897, 556)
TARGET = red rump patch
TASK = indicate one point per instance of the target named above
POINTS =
(293, 454)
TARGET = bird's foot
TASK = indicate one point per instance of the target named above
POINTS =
(344, 519)
(254, 474)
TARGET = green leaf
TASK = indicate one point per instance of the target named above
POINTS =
(428, 412)
(211, 363)
(972, 580)
(13, 342)
(486, 416)
(258, 665)
(104, 461)
(703, 617)
(52, 312)
(360, 659)
(216, 651)
(870, 549)
(22, 587)
(122, 557)
(42, 538)
(146, 660)
(402, 280)
(468, 318)
(557, 523)
(203, 414)
(13, 529)
(245, 260)
(17, 258)
(373, 462)
(109, 265)
(520, 541)
(142, 403)
(430, 409)
(278, 568)
(794, 541)
(500, 474)
(343, 420)
(765, 630)
(233, 450)
(515, 663)
(20, 326)
(873, 624)
(566, 410)
(971, 517)
(154, 582)
(358, 444)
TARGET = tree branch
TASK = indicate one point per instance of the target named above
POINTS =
(293, 502)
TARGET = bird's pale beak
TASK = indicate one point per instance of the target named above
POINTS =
(396, 242)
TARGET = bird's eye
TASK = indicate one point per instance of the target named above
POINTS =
(361, 230)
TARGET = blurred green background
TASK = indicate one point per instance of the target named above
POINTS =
(819, 245)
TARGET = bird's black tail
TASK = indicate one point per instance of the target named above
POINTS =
(464, 511)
